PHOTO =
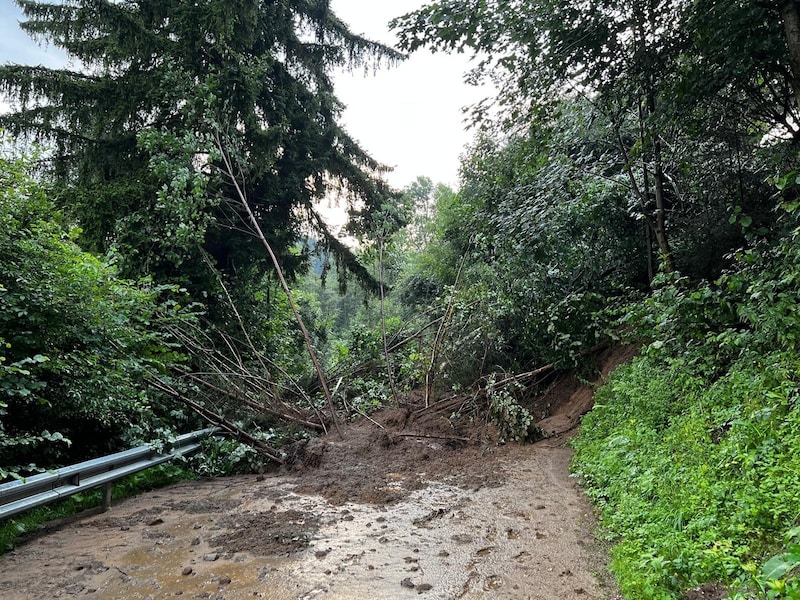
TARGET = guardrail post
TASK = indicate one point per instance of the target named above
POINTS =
(107, 496)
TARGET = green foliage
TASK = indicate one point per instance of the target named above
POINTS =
(365, 395)
(131, 131)
(219, 457)
(691, 449)
(78, 342)
(514, 421)
(694, 480)
(530, 252)
(682, 114)
(779, 577)
(693, 55)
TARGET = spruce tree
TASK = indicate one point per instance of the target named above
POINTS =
(148, 81)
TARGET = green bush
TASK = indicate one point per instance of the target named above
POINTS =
(691, 450)
(694, 481)
(78, 343)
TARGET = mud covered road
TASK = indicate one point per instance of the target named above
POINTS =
(399, 508)
(524, 535)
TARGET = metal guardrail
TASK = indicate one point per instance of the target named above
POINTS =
(19, 496)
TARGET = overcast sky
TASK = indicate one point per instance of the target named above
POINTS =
(408, 117)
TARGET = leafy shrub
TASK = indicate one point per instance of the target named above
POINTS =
(78, 344)
(225, 456)
(779, 577)
(691, 450)
(514, 422)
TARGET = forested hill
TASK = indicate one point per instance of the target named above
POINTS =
(635, 179)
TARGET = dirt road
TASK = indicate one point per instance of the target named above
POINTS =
(400, 508)
(523, 533)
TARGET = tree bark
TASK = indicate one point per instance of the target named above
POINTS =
(661, 213)
(791, 25)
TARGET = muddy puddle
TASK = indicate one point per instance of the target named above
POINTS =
(526, 537)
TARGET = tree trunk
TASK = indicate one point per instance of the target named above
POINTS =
(661, 213)
(386, 354)
(658, 188)
(791, 26)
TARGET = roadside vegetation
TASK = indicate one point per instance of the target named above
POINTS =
(691, 450)
(164, 264)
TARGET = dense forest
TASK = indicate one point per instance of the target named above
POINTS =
(164, 263)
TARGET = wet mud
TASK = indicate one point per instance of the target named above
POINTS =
(399, 508)
(257, 537)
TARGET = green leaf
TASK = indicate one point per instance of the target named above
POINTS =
(776, 567)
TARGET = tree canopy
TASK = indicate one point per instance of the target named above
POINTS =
(148, 80)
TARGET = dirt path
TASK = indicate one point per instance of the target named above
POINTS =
(255, 537)
(400, 508)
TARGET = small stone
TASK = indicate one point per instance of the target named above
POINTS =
(224, 580)
(124, 528)
(424, 587)
(211, 557)
(407, 583)
(322, 553)
(493, 582)
(187, 571)
(156, 521)
(196, 541)
(540, 507)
